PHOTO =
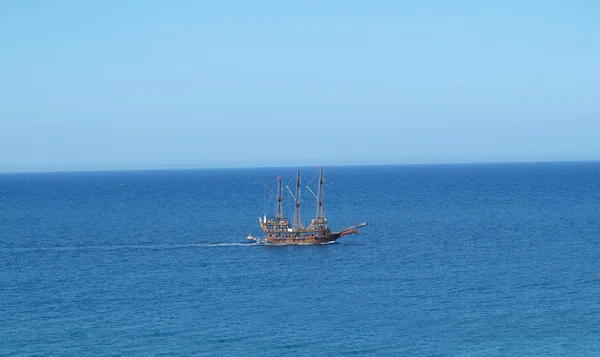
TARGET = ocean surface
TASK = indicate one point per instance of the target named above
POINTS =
(457, 260)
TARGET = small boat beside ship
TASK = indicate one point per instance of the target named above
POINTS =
(278, 230)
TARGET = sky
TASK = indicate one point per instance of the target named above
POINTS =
(133, 84)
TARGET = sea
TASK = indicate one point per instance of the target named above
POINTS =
(456, 260)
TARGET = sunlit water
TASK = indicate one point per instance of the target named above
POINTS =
(457, 260)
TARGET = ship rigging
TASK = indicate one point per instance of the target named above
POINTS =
(277, 229)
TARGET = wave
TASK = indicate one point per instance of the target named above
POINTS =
(125, 247)
(142, 246)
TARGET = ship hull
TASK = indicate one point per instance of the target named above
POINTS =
(309, 240)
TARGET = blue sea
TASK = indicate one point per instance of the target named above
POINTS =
(457, 260)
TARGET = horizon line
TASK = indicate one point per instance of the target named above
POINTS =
(299, 166)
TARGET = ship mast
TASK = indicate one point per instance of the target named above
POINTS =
(279, 214)
(297, 218)
(320, 216)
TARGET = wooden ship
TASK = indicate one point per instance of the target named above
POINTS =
(277, 229)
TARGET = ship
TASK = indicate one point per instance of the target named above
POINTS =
(278, 230)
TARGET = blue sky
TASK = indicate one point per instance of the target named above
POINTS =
(184, 84)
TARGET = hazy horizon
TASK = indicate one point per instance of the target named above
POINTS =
(151, 85)
(301, 167)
